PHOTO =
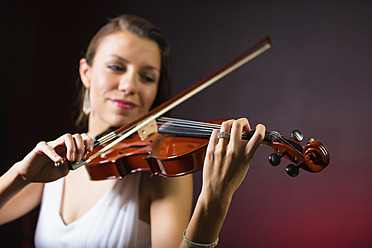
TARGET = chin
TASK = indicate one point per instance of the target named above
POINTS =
(121, 121)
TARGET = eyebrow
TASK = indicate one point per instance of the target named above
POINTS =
(147, 66)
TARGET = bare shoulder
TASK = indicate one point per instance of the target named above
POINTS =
(167, 206)
(159, 187)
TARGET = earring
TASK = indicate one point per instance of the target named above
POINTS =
(86, 102)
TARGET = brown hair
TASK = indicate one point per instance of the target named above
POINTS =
(143, 29)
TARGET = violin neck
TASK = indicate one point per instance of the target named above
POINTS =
(195, 129)
(248, 135)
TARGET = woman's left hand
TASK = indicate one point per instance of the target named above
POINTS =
(227, 159)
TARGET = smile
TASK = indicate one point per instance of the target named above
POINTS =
(123, 104)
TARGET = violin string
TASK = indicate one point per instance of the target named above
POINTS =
(197, 126)
(187, 127)
(277, 136)
(187, 124)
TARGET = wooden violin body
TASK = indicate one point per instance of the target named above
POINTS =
(164, 155)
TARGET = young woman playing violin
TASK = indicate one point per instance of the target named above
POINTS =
(125, 73)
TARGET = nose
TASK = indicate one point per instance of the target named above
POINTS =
(128, 82)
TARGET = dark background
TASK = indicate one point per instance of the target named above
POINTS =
(316, 78)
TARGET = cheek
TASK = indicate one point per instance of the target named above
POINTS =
(97, 93)
(149, 97)
(99, 85)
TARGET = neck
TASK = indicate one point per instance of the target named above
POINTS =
(95, 127)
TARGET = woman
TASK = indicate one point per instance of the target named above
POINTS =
(124, 74)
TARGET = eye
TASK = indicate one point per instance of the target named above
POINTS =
(148, 78)
(116, 67)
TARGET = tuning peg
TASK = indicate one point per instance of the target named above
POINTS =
(293, 169)
(275, 159)
(297, 135)
(311, 139)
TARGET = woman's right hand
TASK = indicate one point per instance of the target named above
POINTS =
(38, 165)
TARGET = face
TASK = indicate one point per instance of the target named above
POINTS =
(122, 80)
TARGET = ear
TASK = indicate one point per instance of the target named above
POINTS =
(84, 71)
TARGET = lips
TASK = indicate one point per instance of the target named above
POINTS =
(123, 104)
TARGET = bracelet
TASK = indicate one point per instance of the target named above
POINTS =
(198, 245)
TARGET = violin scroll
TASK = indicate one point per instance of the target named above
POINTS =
(316, 155)
(313, 157)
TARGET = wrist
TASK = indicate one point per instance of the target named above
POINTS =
(18, 167)
(215, 196)
(11, 183)
(214, 203)
(208, 217)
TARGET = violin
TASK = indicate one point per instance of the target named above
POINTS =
(174, 147)
(179, 147)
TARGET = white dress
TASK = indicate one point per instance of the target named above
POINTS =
(112, 222)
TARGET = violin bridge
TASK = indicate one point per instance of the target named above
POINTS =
(147, 130)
